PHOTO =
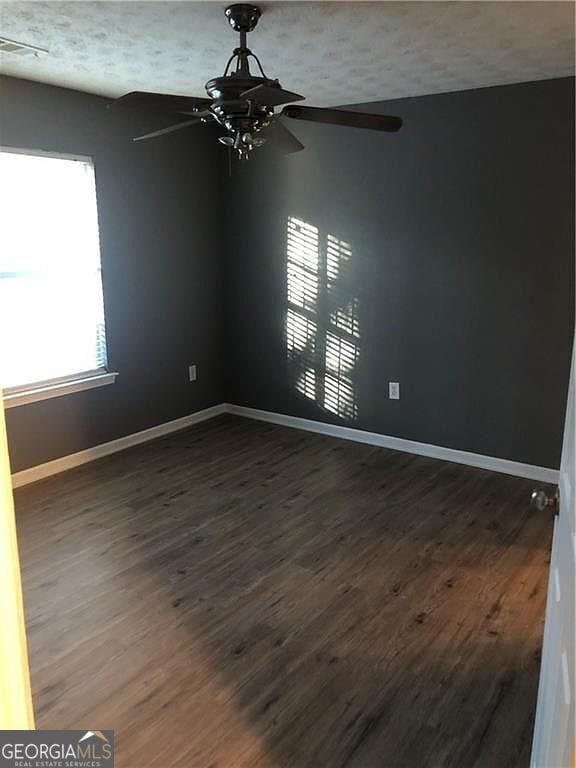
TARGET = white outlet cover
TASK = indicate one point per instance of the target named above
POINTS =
(394, 390)
(192, 373)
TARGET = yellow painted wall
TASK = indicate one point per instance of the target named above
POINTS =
(15, 696)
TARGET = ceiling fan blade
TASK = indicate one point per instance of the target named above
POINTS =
(270, 95)
(280, 139)
(342, 117)
(161, 102)
(171, 128)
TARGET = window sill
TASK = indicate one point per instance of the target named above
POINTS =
(34, 394)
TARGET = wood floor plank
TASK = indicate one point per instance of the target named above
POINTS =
(242, 595)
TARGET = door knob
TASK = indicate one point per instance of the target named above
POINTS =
(542, 499)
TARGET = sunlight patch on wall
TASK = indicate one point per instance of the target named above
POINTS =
(341, 357)
(301, 341)
(322, 329)
(344, 308)
(302, 265)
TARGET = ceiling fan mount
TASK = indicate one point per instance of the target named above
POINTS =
(243, 17)
(244, 103)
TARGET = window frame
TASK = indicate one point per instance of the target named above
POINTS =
(75, 382)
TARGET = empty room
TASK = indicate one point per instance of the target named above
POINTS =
(287, 441)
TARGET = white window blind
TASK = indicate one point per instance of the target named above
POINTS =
(51, 307)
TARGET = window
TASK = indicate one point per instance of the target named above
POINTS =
(52, 334)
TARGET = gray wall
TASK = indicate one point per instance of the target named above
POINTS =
(461, 229)
(161, 252)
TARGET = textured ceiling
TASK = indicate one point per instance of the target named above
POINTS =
(332, 52)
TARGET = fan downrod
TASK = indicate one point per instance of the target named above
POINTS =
(243, 17)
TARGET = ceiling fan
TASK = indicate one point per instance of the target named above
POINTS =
(244, 103)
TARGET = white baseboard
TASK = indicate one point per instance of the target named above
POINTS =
(56, 466)
(507, 467)
(41, 471)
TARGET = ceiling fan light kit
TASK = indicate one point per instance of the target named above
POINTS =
(244, 104)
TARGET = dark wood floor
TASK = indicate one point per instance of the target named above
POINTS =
(241, 595)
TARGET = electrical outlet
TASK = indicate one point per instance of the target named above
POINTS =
(394, 390)
(192, 373)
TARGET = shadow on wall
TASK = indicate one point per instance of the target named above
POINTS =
(322, 329)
